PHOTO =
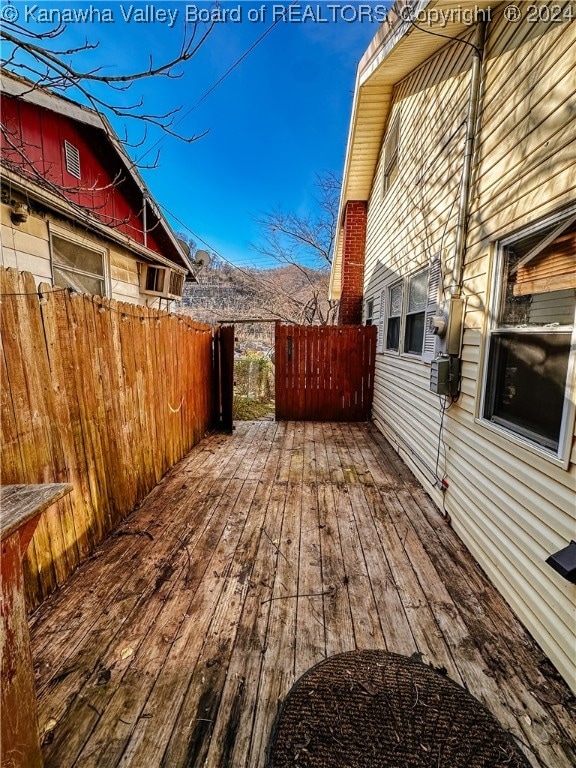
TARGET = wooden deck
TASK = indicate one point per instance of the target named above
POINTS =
(257, 556)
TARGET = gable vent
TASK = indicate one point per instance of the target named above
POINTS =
(72, 156)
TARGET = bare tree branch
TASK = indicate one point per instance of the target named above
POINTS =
(33, 54)
(305, 243)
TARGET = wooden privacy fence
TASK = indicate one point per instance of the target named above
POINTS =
(324, 373)
(101, 394)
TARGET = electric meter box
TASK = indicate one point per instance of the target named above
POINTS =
(444, 375)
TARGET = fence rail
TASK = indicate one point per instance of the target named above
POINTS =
(98, 393)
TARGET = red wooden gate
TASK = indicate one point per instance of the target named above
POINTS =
(324, 373)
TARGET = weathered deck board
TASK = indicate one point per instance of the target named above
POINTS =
(258, 555)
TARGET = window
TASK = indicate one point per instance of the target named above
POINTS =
(161, 281)
(391, 155)
(80, 267)
(154, 279)
(395, 293)
(72, 158)
(369, 311)
(410, 304)
(176, 284)
(527, 372)
(416, 313)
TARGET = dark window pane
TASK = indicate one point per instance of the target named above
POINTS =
(527, 382)
(155, 279)
(369, 311)
(393, 334)
(414, 336)
(539, 308)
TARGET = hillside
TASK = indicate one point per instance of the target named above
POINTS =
(290, 293)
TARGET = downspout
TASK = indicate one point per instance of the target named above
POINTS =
(463, 217)
(455, 331)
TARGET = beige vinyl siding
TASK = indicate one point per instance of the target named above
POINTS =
(422, 198)
(510, 505)
(25, 247)
(408, 413)
(523, 507)
(412, 222)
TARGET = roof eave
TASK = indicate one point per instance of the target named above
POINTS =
(397, 49)
(62, 206)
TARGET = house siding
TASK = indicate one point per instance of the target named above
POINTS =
(26, 247)
(34, 143)
(511, 506)
(406, 226)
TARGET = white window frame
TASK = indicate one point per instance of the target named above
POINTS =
(388, 306)
(405, 313)
(434, 290)
(391, 155)
(72, 237)
(562, 456)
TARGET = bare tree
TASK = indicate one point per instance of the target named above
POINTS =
(306, 243)
(40, 57)
(291, 239)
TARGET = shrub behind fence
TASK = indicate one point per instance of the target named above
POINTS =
(254, 377)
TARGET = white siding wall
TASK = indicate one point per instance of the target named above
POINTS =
(25, 247)
(510, 506)
(415, 220)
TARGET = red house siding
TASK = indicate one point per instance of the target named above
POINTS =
(35, 144)
(353, 256)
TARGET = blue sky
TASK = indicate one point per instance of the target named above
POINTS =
(276, 121)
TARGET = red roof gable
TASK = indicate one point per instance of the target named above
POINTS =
(36, 135)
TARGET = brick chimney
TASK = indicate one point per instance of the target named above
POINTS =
(353, 256)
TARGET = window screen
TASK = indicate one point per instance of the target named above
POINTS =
(78, 266)
(416, 313)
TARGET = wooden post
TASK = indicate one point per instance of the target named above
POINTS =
(20, 510)
(226, 377)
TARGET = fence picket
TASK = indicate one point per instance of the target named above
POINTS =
(105, 403)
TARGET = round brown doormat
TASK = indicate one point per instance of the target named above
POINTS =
(372, 709)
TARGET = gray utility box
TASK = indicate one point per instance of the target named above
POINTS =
(445, 375)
